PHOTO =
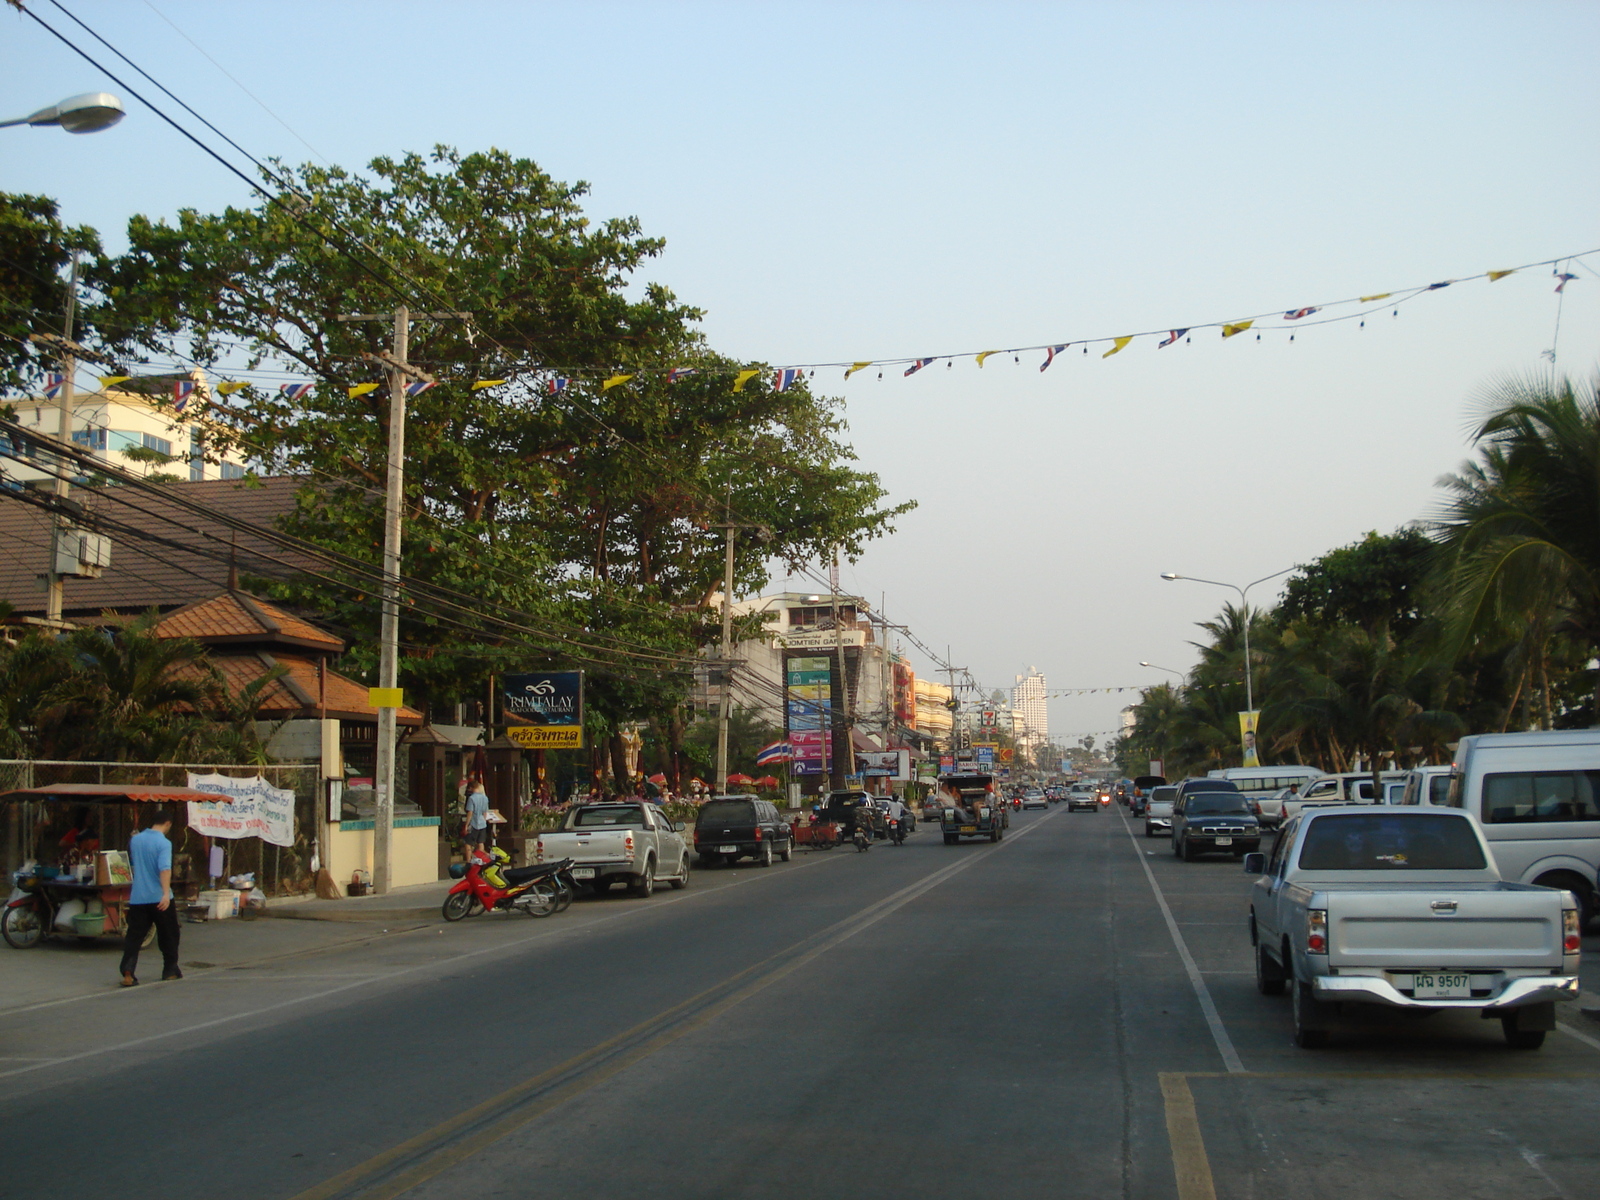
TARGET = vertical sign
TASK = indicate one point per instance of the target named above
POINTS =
(544, 711)
(808, 684)
(1247, 737)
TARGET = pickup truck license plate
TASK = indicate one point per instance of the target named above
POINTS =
(727, 849)
(1224, 841)
(1441, 987)
(583, 872)
(969, 829)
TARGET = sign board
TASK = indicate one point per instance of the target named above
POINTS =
(544, 710)
(808, 712)
(885, 764)
(258, 809)
(822, 639)
(985, 755)
(1007, 754)
(1158, 766)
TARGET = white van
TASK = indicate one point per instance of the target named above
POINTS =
(1538, 797)
(1261, 786)
(1347, 787)
(1426, 785)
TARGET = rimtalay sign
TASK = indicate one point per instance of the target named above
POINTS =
(544, 711)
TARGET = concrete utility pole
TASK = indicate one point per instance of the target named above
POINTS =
(726, 707)
(55, 582)
(401, 374)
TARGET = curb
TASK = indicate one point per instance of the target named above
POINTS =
(298, 913)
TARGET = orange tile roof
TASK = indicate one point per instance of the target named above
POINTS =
(295, 694)
(236, 617)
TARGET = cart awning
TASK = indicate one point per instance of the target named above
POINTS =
(114, 793)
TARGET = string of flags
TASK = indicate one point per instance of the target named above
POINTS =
(784, 377)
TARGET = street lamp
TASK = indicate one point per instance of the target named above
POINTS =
(1249, 685)
(1159, 667)
(88, 113)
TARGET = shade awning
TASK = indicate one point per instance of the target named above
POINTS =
(115, 793)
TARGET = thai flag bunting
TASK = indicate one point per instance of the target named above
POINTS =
(1050, 355)
(52, 384)
(295, 391)
(678, 373)
(1563, 278)
(417, 386)
(788, 375)
(1171, 337)
(181, 391)
(777, 752)
(918, 365)
(558, 385)
(1296, 313)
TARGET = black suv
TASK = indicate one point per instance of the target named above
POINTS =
(844, 809)
(1213, 815)
(734, 827)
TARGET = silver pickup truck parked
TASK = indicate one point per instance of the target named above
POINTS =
(1405, 907)
(627, 841)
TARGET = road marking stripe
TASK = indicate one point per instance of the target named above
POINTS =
(1573, 1033)
(1219, 1034)
(590, 1068)
(1189, 1163)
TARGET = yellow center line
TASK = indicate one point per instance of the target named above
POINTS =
(1190, 1166)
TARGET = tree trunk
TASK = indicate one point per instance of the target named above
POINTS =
(620, 780)
(675, 751)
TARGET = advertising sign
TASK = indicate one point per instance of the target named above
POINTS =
(808, 713)
(544, 709)
(885, 764)
(947, 763)
(1247, 737)
(985, 755)
(258, 809)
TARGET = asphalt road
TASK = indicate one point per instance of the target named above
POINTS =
(1041, 1017)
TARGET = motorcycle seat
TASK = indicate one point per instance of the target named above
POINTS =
(520, 875)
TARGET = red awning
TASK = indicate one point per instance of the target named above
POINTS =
(115, 793)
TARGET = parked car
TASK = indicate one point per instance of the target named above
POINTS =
(628, 842)
(1426, 785)
(1212, 815)
(1537, 796)
(1158, 811)
(734, 827)
(1404, 907)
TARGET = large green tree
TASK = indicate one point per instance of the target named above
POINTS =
(36, 251)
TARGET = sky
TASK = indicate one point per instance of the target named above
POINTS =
(838, 182)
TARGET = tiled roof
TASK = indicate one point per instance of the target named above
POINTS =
(296, 694)
(235, 618)
(191, 565)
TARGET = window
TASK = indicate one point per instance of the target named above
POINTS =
(1215, 804)
(231, 471)
(1439, 790)
(1327, 787)
(609, 814)
(197, 455)
(1523, 797)
(152, 442)
(1372, 842)
(90, 439)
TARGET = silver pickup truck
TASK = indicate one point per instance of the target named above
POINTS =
(626, 841)
(1405, 907)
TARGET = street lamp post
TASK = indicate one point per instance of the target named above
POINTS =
(1159, 667)
(88, 113)
(1249, 671)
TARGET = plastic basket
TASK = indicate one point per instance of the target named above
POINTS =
(89, 924)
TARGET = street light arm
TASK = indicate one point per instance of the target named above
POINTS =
(1264, 578)
(1213, 582)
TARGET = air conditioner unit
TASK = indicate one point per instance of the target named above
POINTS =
(82, 554)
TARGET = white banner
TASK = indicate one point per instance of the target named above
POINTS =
(885, 764)
(258, 809)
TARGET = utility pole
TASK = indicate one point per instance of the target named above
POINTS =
(727, 660)
(401, 373)
(55, 582)
(842, 761)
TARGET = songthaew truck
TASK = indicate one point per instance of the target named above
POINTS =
(969, 807)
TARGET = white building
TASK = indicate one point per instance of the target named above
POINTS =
(1028, 700)
(138, 415)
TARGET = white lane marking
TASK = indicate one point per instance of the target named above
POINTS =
(1573, 1033)
(1219, 1034)
(929, 882)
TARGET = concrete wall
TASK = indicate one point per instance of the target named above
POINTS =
(415, 856)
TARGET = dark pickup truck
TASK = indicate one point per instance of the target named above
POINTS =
(734, 827)
(846, 809)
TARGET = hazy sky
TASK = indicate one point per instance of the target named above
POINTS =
(860, 181)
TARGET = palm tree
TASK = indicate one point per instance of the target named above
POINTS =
(1521, 527)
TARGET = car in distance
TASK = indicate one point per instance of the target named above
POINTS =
(1212, 816)
(1083, 795)
(1158, 811)
(1035, 798)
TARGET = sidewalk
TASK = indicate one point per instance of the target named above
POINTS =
(417, 902)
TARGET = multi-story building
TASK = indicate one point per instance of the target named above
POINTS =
(1028, 700)
(141, 416)
(934, 718)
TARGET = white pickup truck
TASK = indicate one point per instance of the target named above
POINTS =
(1405, 907)
(628, 841)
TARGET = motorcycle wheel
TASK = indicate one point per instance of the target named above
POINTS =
(458, 905)
(566, 893)
(540, 900)
(23, 926)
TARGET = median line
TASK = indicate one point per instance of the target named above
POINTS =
(1190, 1166)
(428, 1154)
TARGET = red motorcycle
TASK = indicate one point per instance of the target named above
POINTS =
(486, 883)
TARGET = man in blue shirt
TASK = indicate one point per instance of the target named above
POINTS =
(475, 829)
(150, 900)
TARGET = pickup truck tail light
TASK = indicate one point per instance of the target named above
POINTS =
(758, 833)
(538, 850)
(697, 837)
(627, 846)
(1571, 942)
(1316, 931)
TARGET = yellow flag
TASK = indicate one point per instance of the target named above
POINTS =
(1493, 275)
(1377, 296)
(854, 367)
(613, 381)
(234, 385)
(107, 381)
(361, 389)
(1229, 330)
(745, 377)
(479, 384)
(1121, 342)
(985, 355)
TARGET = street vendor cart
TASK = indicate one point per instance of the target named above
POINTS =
(87, 884)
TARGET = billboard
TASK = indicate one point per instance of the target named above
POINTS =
(885, 764)
(543, 710)
(808, 712)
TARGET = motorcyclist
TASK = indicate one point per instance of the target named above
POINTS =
(895, 811)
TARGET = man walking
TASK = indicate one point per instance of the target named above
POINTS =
(150, 900)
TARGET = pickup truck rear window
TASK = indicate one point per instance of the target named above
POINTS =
(728, 812)
(1521, 797)
(1378, 842)
(605, 816)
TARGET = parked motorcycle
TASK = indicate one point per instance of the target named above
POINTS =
(487, 882)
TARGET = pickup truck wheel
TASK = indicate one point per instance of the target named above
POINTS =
(643, 884)
(682, 881)
(1189, 854)
(788, 850)
(951, 839)
(764, 859)
(709, 860)
(1517, 1037)
(1307, 1035)
(1269, 976)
